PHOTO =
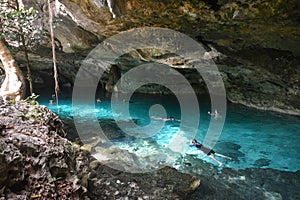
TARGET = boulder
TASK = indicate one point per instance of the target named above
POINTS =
(35, 160)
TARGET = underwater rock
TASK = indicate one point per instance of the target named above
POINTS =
(262, 162)
(248, 184)
(229, 148)
(111, 129)
(272, 195)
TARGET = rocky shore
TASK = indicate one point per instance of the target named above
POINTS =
(37, 162)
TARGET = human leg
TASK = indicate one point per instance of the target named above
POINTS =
(223, 156)
(219, 162)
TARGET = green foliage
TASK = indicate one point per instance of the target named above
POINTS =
(56, 179)
(12, 101)
(32, 99)
(16, 22)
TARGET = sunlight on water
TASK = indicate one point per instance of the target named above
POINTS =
(253, 138)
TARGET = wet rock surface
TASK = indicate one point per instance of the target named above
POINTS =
(167, 183)
(242, 184)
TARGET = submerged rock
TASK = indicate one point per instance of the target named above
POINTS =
(262, 162)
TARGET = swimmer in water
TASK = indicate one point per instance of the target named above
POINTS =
(209, 152)
(165, 119)
(216, 114)
(98, 100)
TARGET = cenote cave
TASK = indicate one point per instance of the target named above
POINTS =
(148, 99)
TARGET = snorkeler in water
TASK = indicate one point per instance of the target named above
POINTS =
(216, 114)
(209, 152)
(165, 119)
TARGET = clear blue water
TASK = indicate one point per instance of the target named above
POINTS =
(253, 138)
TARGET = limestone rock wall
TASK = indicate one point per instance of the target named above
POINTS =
(36, 162)
(258, 42)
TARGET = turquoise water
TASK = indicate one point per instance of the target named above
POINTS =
(253, 138)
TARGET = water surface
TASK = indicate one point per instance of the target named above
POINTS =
(253, 138)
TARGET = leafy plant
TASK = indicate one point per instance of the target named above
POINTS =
(17, 22)
(32, 99)
(56, 179)
(12, 101)
(20, 27)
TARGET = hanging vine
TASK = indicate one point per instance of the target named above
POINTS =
(56, 87)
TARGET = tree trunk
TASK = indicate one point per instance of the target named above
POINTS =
(29, 77)
(24, 47)
(14, 85)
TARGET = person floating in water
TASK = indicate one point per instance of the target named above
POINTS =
(209, 152)
(53, 97)
(216, 114)
(165, 119)
(98, 100)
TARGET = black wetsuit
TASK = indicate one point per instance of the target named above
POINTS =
(204, 149)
